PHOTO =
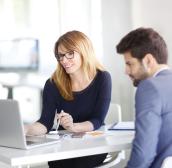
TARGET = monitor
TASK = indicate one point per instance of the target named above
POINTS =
(21, 54)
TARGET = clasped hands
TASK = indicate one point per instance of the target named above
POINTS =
(66, 121)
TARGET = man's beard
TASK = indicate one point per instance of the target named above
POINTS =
(136, 82)
(143, 76)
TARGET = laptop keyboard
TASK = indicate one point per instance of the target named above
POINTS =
(30, 142)
(37, 140)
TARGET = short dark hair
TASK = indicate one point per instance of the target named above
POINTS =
(144, 41)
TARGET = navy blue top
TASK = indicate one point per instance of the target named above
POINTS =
(90, 104)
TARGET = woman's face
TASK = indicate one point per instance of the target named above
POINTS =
(70, 60)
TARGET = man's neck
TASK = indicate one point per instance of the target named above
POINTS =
(158, 68)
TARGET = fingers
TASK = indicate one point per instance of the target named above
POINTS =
(66, 120)
(62, 114)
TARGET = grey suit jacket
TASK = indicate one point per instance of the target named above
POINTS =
(153, 138)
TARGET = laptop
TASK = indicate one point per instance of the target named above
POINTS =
(12, 128)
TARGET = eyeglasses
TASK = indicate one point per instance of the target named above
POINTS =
(68, 55)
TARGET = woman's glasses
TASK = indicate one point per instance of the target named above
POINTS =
(68, 55)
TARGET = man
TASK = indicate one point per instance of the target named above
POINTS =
(145, 55)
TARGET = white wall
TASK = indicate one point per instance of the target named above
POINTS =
(118, 18)
(44, 24)
(51, 19)
(156, 14)
(104, 21)
(116, 22)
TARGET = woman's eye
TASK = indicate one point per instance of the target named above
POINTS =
(70, 53)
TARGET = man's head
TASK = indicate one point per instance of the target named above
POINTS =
(144, 52)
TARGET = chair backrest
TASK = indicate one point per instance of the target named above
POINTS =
(167, 163)
(114, 114)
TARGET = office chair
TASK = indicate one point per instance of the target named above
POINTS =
(167, 163)
(114, 115)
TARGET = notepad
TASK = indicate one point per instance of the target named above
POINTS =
(95, 133)
(128, 125)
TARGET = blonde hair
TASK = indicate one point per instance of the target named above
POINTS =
(79, 42)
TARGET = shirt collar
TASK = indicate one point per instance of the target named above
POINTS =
(161, 69)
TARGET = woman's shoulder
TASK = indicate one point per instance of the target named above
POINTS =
(50, 85)
(103, 75)
(51, 88)
(49, 82)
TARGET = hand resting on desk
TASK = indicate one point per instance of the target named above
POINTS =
(35, 129)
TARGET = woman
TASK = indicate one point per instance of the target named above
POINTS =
(79, 90)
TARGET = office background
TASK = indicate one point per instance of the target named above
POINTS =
(104, 21)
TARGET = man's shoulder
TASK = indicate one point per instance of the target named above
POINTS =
(162, 78)
(146, 83)
(159, 85)
(147, 88)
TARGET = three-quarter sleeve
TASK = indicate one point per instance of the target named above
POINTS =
(50, 102)
(102, 101)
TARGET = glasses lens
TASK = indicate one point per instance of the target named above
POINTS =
(69, 55)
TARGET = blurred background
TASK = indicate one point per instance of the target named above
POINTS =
(29, 29)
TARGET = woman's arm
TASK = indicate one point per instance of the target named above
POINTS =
(103, 99)
(82, 127)
(66, 121)
(50, 104)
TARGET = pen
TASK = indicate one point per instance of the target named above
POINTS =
(57, 125)
(58, 122)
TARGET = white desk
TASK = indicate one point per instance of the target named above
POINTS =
(68, 148)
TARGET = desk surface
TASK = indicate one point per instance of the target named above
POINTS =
(69, 148)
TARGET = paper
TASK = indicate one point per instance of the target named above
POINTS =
(128, 125)
(53, 135)
(65, 134)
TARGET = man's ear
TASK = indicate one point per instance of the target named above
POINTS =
(148, 61)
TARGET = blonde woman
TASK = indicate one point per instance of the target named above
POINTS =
(81, 88)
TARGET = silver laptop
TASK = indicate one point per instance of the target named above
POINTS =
(12, 129)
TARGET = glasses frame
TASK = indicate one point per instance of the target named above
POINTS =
(68, 55)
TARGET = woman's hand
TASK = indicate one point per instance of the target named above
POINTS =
(35, 129)
(66, 121)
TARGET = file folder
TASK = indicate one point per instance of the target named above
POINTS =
(128, 125)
